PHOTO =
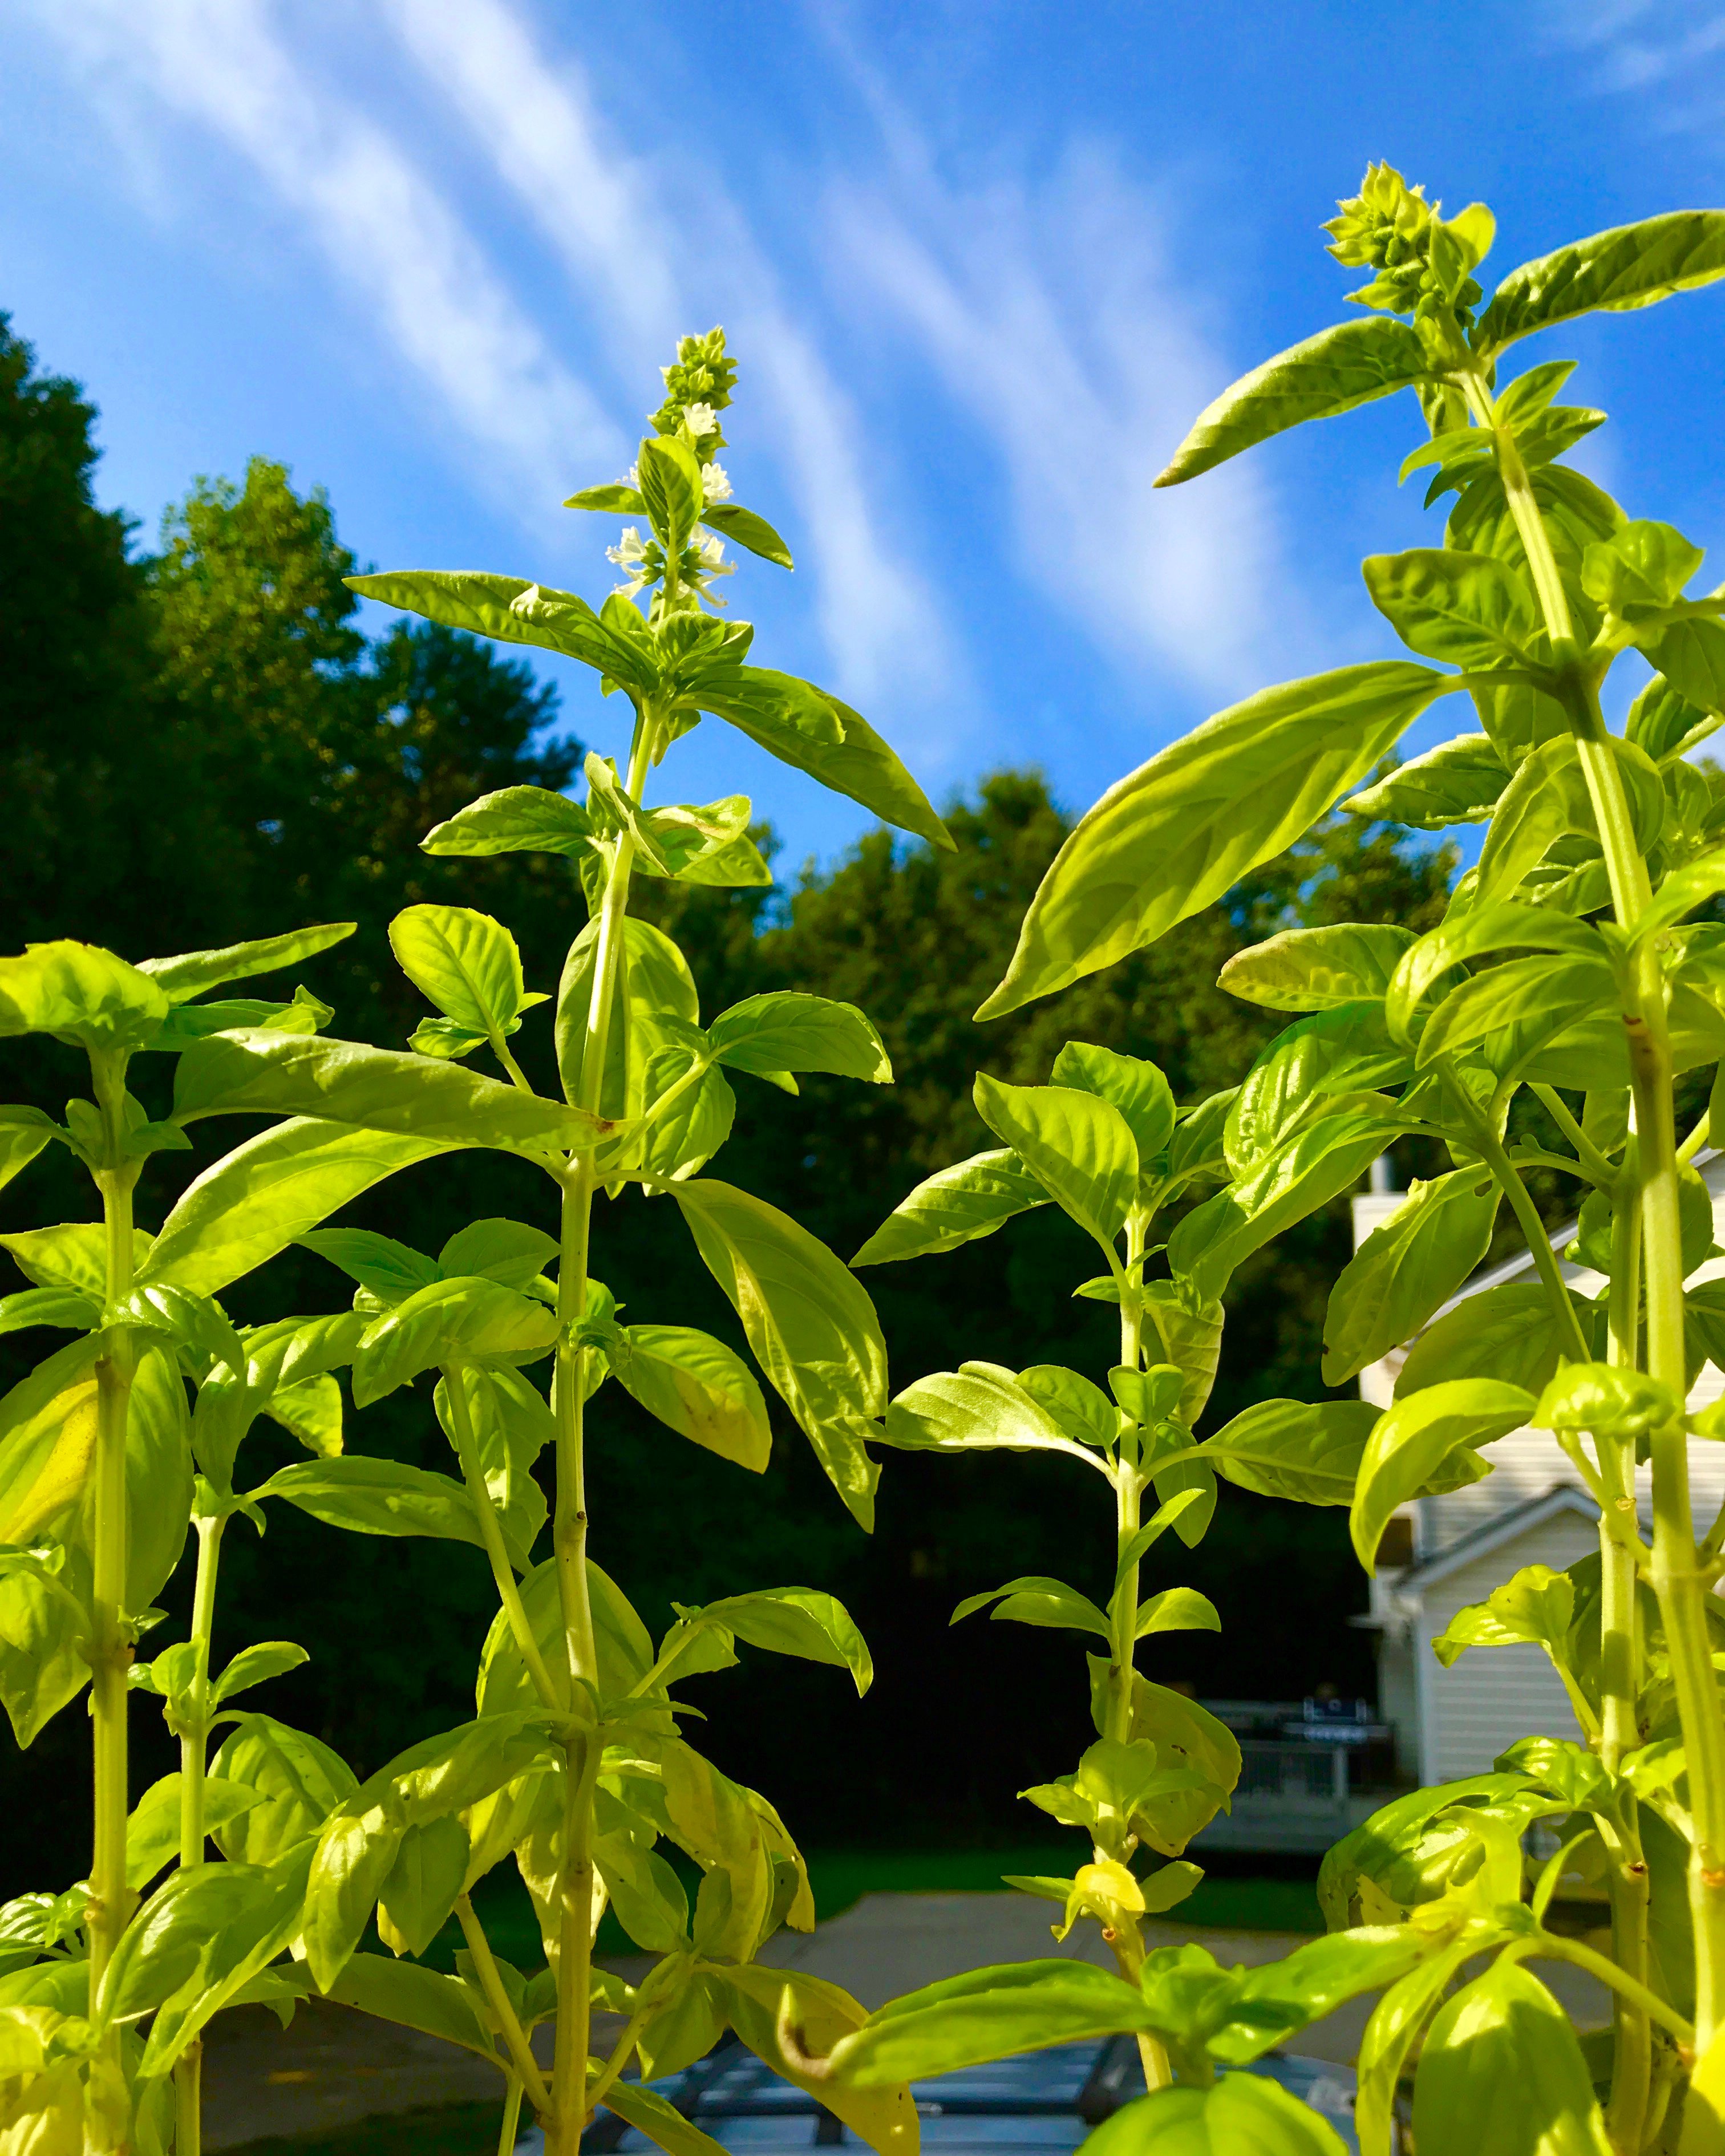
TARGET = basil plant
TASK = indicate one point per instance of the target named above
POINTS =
(1575, 985)
(573, 1765)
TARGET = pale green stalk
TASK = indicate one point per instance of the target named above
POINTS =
(509, 2133)
(1129, 1492)
(1678, 1577)
(194, 1741)
(110, 1648)
(1620, 1685)
(1553, 1946)
(568, 2091)
(515, 2037)
(1592, 1162)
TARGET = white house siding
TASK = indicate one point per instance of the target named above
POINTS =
(1454, 1722)
(1527, 1462)
(1493, 1695)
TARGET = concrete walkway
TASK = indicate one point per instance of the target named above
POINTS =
(334, 2066)
(890, 1944)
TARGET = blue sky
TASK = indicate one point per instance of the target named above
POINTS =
(980, 260)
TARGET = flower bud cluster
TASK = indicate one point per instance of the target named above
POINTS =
(1422, 262)
(697, 386)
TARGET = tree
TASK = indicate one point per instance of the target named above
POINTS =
(74, 659)
(325, 758)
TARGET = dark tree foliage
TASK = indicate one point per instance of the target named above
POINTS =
(225, 691)
(74, 662)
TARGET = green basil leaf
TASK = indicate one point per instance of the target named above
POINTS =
(254, 1666)
(1662, 724)
(256, 1072)
(1242, 2115)
(1314, 1166)
(377, 1497)
(812, 1328)
(418, 1897)
(1391, 2034)
(1307, 1451)
(1645, 563)
(73, 1258)
(671, 490)
(803, 726)
(1468, 610)
(745, 529)
(1459, 782)
(1036, 1599)
(1329, 373)
(1510, 1334)
(985, 2015)
(1178, 1608)
(505, 1251)
(762, 2002)
(23, 1133)
(1512, 1009)
(1083, 1410)
(1406, 1268)
(1690, 656)
(412, 1997)
(1631, 265)
(512, 1426)
(203, 1934)
(152, 1832)
(299, 1777)
(515, 819)
(465, 962)
(1127, 1082)
(195, 972)
(785, 1031)
(654, 983)
(1412, 1440)
(451, 1321)
(970, 1199)
(1499, 926)
(1501, 2070)
(616, 500)
(390, 1270)
(62, 1308)
(1270, 2004)
(976, 1409)
(516, 612)
(699, 1387)
(1312, 969)
(1078, 1147)
(1536, 1607)
(624, 1643)
(1170, 838)
(793, 1620)
(1346, 1050)
(82, 995)
(269, 1192)
(658, 2119)
(45, 1633)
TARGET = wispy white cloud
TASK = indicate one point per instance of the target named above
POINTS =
(604, 212)
(1052, 317)
(534, 114)
(1677, 49)
(405, 256)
